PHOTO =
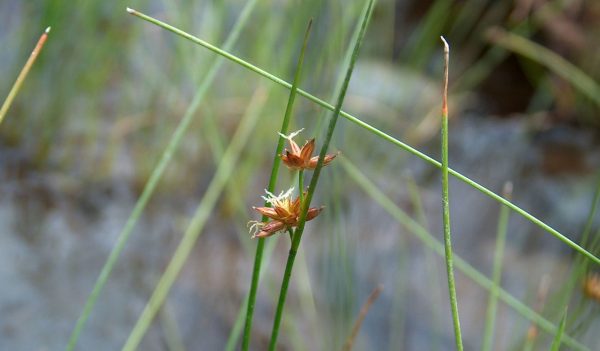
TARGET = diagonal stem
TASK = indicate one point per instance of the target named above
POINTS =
(378, 133)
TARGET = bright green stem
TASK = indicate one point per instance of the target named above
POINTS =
(23, 74)
(488, 335)
(421, 233)
(155, 177)
(315, 178)
(201, 215)
(377, 132)
(446, 209)
(272, 182)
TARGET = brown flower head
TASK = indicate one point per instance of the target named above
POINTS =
(284, 214)
(591, 286)
(301, 158)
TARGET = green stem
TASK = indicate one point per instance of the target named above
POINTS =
(155, 177)
(272, 182)
(446, 206)
(377, 132)
(315, 178)
(23, 74)
(488, 335)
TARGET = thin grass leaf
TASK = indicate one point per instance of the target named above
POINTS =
(377, 132)
(490, 319)
(315, 178)
(201, 215)
(559, 334)
(563, 68)
(23, 74)
(155, 177)
(272, 183)
(435, 245)
(446, 204)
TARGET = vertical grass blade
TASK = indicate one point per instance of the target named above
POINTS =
(201, 215)
(446, 204)
(155, 177)
(315, 178)
(488, 336)
(379, 133)
(559, 334)
(23, 74)
(272, 182)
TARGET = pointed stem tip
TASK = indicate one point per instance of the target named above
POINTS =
(446, 46)
(47, 30)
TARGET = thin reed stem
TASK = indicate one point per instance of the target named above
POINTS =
(155, 177)
(377, 132)
(23, 74)
(446, 204)
(272, 183)
(488, 336)
(315, 178)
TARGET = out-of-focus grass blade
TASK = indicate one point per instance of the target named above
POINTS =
(559, 334)
(563, 68)
(23, 74)
(488, 336)
(198, 221)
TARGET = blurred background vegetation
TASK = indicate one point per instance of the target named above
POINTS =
(107, 92)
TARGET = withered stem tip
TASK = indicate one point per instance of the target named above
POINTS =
(130, 10)
(446, 46)
(47, 30)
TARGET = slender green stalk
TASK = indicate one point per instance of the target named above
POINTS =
(376, 132)
(23, 74)
(566, 70)
(155, 177)
(272, 182)
(446, 204)
(315, 178)
(488, 335)
(238, 326)
(435, 245)
(559, 334)
(201, 215)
